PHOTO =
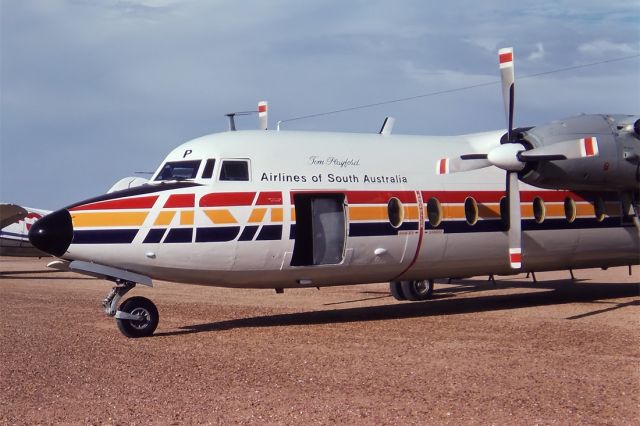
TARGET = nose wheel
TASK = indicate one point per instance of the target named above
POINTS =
(137, 317)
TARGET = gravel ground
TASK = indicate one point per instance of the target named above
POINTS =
(554, 352)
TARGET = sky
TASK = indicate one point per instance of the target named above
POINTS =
(92, 91)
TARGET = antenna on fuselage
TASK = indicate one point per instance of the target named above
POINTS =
(263, 119)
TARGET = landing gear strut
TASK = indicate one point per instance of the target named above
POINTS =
(418, 290)
(137, 316)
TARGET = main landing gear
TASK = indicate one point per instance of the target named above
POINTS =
(137, 316)
(414, 291)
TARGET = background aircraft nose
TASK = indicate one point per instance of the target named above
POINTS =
(53, 233)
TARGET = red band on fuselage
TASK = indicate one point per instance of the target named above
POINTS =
(120, 204)
(269, 199)
(180, 200)
(227, 199)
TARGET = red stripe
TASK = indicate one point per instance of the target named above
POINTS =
(379, 197)
(262, 108)
(516, 257)
(181, 200)
(495, 196)
(443, 166)
(120, 204)
(269, 199)
(506, 57)
(588, 147)
(227, 199)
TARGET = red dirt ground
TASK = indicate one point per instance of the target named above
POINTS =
(554, 352)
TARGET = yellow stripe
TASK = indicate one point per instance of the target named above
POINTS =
(368, 213)
(276, 214)
(585, 209)
(186, 217)
(489, 211)
(257, 215)
(164, 218)
(411, 213)
(221, 216)
(81, 220)
(293, 214)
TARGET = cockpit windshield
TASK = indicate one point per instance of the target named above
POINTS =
(179, 170)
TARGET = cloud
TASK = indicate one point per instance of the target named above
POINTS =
(607, 48)
(538, 54)
(93, 91)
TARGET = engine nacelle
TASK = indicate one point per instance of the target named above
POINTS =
(615, 168)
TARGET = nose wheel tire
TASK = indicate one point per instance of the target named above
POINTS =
(417, 290)
(147, 313)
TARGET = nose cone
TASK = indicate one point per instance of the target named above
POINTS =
(53, 233)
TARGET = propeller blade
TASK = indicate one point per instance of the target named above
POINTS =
(515, 234)
(507, 76)
(445, 166)
(262, 115)
(567, 150)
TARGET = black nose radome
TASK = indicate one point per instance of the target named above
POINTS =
(53, 233)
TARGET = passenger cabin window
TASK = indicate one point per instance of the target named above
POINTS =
(179, 170)
(234, 170)
(207, 173)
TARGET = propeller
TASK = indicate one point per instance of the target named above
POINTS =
(503, 157)
(262, 115)
(513, 155)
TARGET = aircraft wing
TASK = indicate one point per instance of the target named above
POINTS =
(11, 213)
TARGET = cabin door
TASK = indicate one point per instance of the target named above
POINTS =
(321, 229)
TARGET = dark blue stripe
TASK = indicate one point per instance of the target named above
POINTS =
(248, 232)
(292, 232)
(217, 234)
(270, 232)
(105, 236)
(461, 226)
(154, 236)
(179, 235)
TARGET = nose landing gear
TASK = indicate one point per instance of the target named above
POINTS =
(137, 316)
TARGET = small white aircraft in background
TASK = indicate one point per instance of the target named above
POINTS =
(288, 209)
(16, 221)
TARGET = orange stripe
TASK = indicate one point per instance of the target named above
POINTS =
(368, 213)
(164, 218)
(186, 217)
(221, 216)
(411, 213)
(81, 220)
(276, 214)
(257, 215)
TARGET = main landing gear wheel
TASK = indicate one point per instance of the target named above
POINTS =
(137, 317)
(411, 290)
(396, 290)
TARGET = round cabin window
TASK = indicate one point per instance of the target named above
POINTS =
(471, 210)
(570, 209)
(539, 210)
(434, 211)
(599, 209)
(395, 212)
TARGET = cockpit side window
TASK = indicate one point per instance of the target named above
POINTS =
(236, 170)
(179, 170)
(208, 168)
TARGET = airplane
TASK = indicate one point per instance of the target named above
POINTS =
(16, 221)
(294, 209)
